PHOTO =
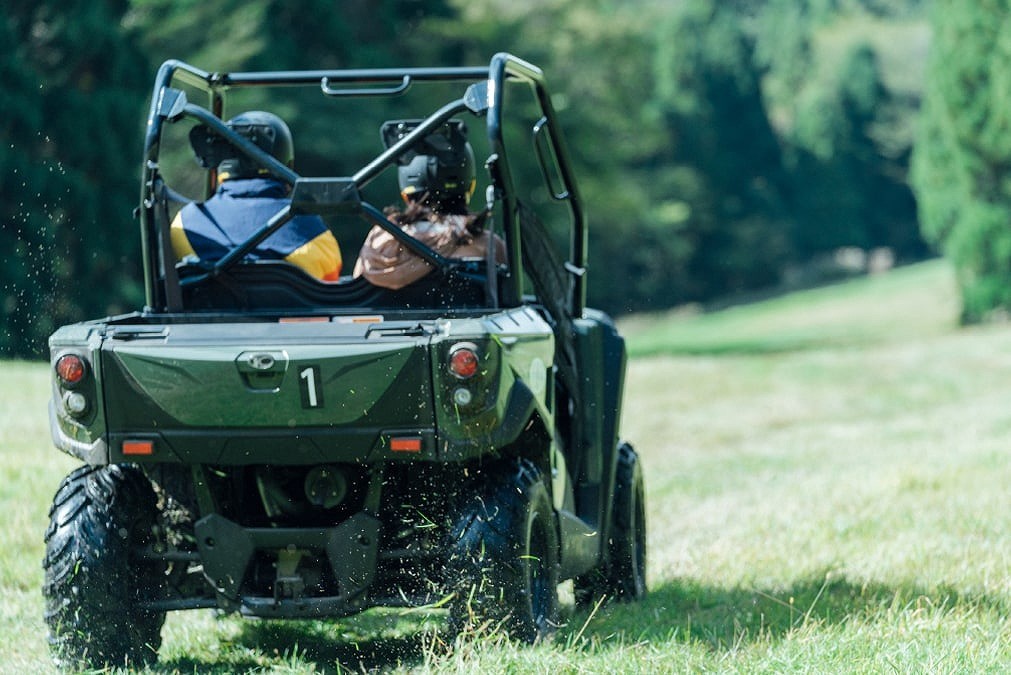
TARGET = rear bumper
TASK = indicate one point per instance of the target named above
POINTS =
(94, 453)
(351, 549)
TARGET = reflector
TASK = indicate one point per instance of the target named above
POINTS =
(462, 396)
(405, 444)
(76, 403)
(138, 447)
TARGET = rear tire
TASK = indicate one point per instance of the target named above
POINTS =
(622, 576)
(504, 560)
(95, 581)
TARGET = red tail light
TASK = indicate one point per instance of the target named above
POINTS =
(71, 368)
(463, 361)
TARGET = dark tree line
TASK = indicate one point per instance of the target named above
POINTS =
(715, 143)
(73, 86)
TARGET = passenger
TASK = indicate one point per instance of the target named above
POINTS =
(246, 198)
(436, 188)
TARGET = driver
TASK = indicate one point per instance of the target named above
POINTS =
(436, 186)
(246, 198)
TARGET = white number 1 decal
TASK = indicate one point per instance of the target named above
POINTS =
(312, 397)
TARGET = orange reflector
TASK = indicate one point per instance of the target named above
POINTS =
(405, 444)
(138, 447)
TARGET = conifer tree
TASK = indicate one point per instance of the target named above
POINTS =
(69, 152)
(962, 161)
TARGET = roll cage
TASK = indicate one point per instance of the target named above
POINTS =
(482, 97)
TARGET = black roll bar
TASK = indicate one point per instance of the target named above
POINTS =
(484, 96)
(503, 65)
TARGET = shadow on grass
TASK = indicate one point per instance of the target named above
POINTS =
(372, 641)
(724, 618)
(720, 619)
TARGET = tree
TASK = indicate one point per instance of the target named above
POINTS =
(849, 187)
(709, 96)
(679, 165)
(250, 35)
(691, 190)
(69, 140)
(243, 35)
(963, 155)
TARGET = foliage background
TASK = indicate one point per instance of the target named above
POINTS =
(724, 147)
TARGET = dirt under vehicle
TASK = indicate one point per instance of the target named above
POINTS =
(258, 441)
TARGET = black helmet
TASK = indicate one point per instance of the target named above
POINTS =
(441, 165)
(266, 130)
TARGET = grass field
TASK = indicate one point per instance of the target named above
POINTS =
(826, 480)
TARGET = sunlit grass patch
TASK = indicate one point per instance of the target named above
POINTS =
(907, 303)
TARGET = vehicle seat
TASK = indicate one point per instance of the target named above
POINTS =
(278, 285)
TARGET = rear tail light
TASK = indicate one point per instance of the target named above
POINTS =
(71, 368)
(463, 360)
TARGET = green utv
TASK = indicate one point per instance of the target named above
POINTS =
(258, 441)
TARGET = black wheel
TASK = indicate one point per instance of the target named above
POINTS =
(622, 575)
(95, 579)
(504, 557)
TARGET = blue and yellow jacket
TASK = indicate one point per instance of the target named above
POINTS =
(240, 207)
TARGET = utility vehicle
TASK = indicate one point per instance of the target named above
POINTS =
(257, 441)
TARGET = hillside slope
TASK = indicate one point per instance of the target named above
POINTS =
(905, 304)
(826, 475)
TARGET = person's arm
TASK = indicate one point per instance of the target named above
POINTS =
(320, 257)
(383, 261)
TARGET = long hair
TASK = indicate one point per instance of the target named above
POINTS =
(422, 208)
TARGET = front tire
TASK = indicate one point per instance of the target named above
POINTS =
(504, 557)
(622, 576)
(95, 581)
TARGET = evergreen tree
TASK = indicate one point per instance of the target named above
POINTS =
(250, 35)
(848, 190)
(69, 147)
(710, 97)
(963, 155)
(691, 192)
(332, 137)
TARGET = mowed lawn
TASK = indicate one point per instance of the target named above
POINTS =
(827, 490)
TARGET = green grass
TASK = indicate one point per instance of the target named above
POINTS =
(826, 486)
(910, 303)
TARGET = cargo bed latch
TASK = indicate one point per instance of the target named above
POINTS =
(262, 370)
